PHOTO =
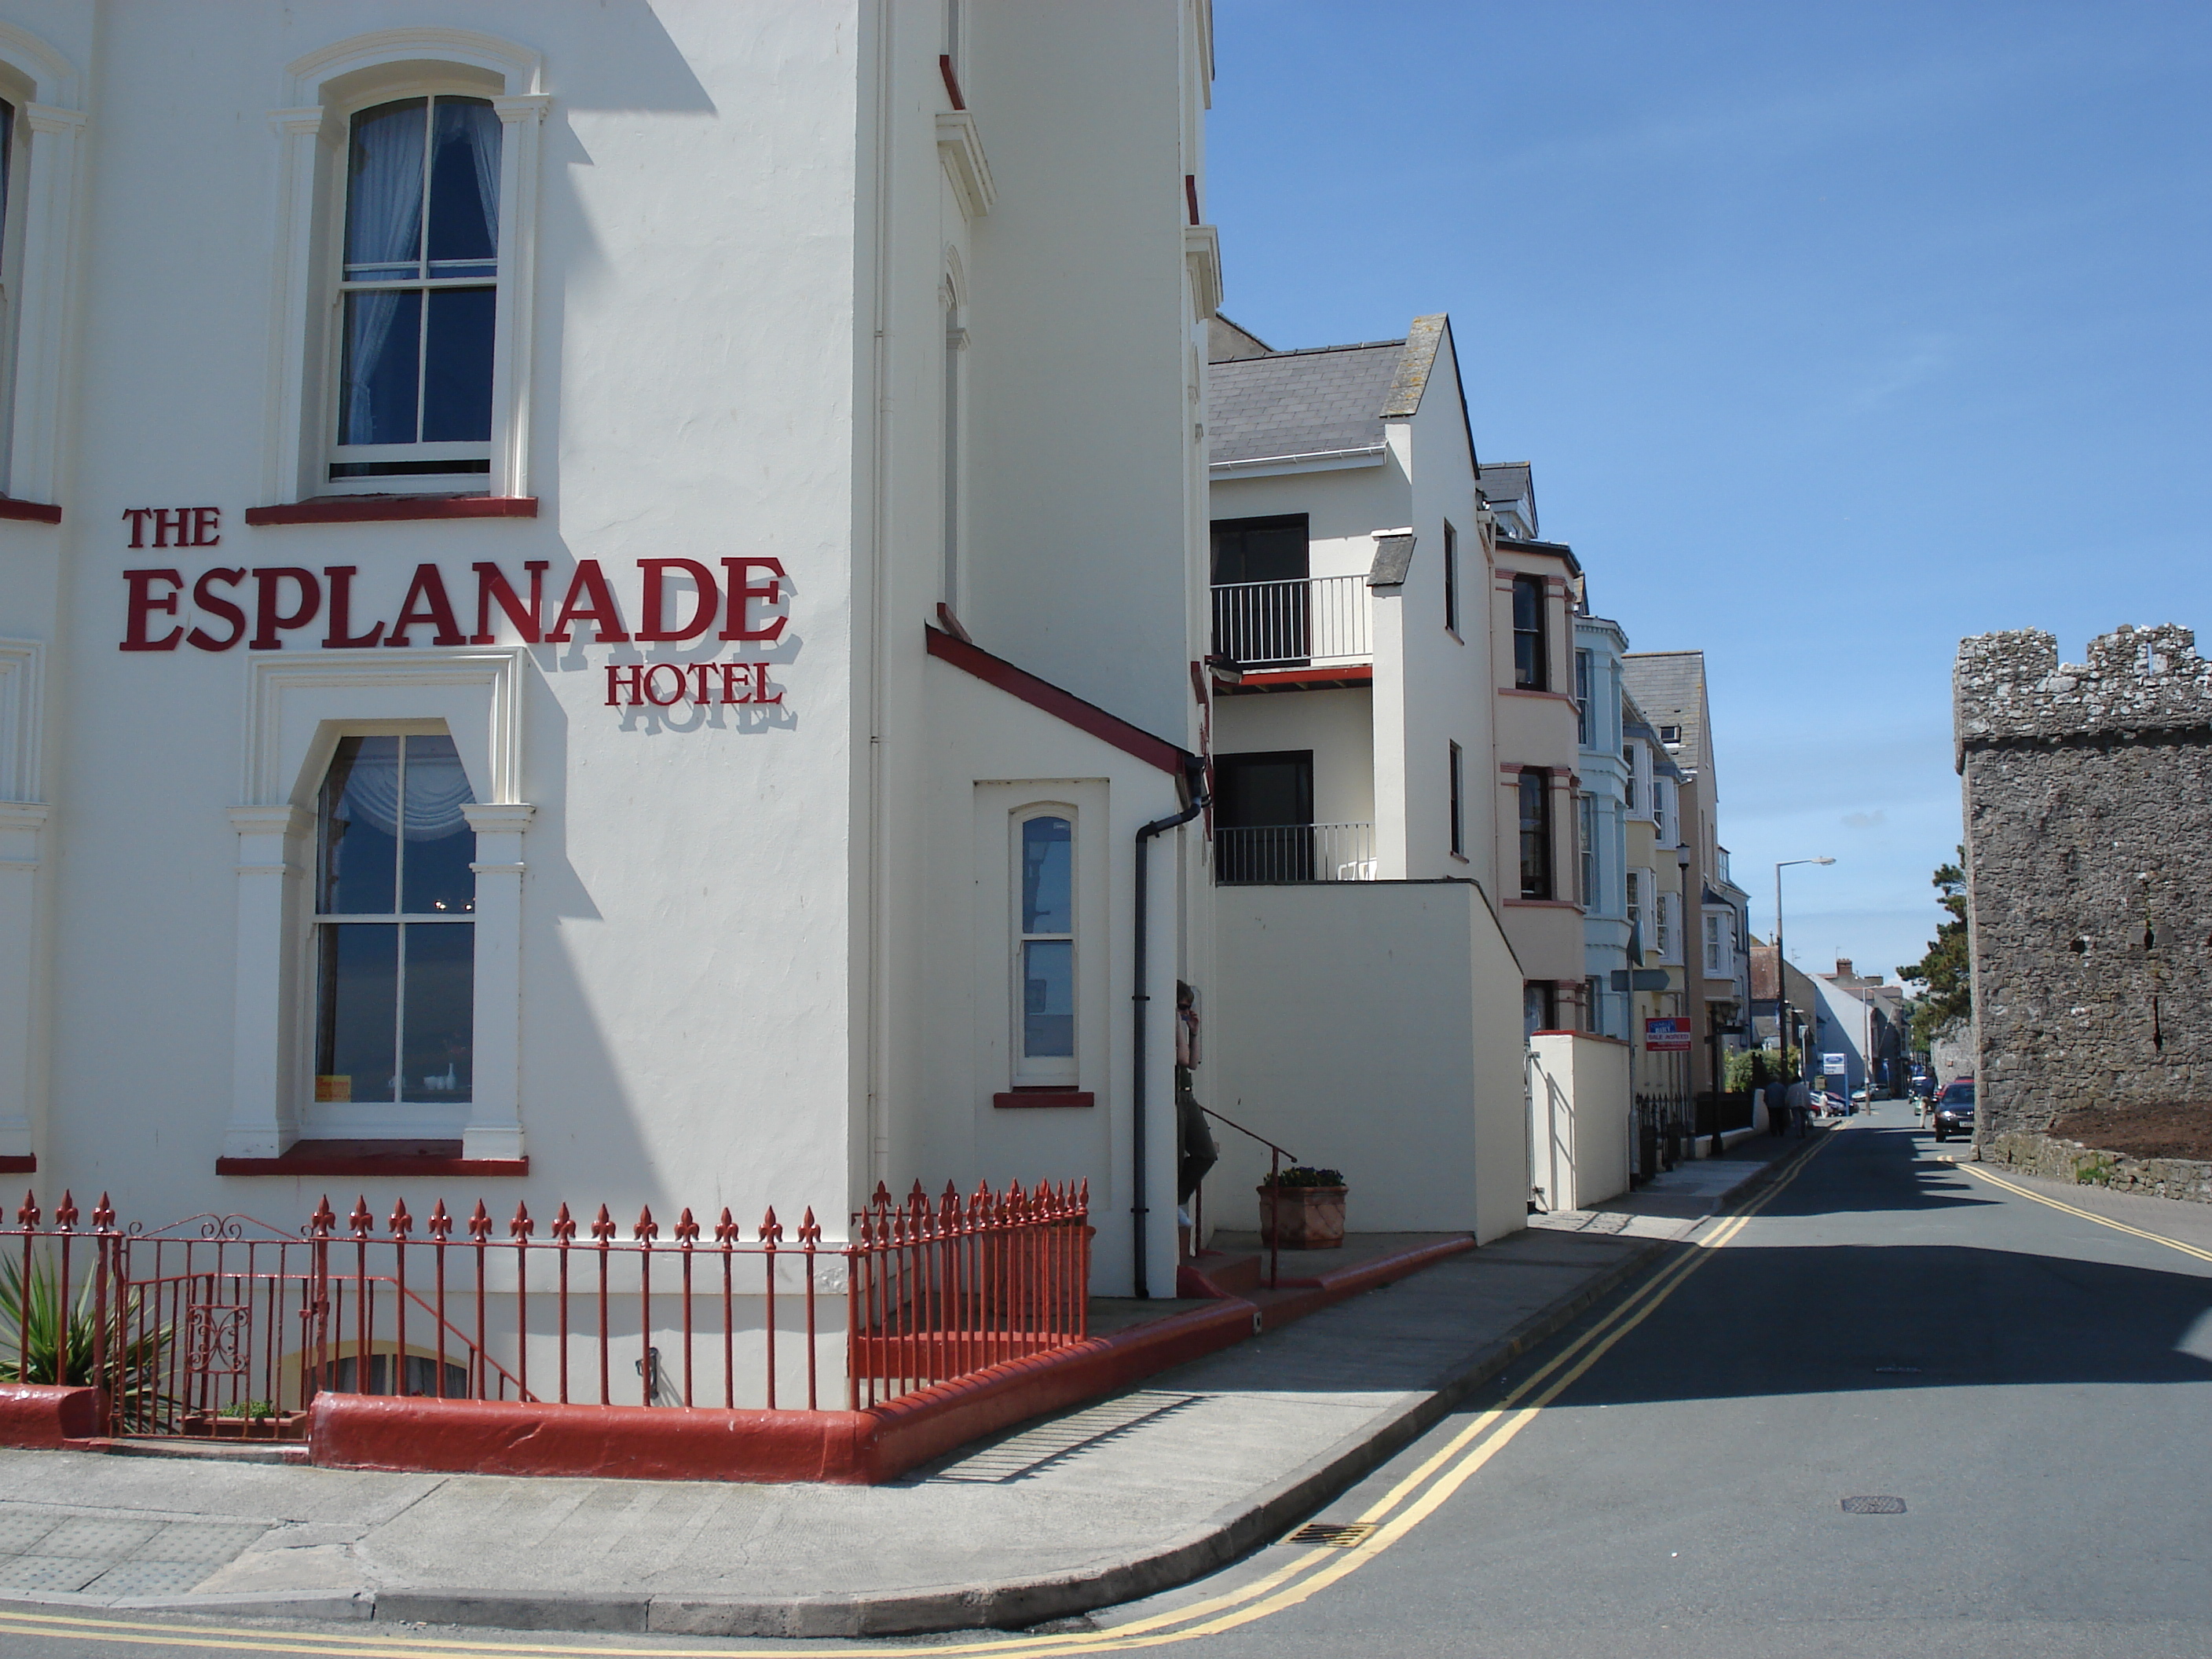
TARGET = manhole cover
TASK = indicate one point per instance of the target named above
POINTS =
(1334, 1535)
(1874, 1506)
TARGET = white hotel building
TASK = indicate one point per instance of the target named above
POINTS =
(497, 497)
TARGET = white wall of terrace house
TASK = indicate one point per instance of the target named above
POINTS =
(713, 916)
(1429, 687)
(1604, 772)
(1535, 728)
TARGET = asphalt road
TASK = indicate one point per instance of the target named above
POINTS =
(2033, 1386)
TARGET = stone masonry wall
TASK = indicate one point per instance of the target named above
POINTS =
(2088, 814)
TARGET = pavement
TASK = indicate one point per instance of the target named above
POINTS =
(1125, 1498)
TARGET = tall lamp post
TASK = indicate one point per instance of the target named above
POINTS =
(1781, 967)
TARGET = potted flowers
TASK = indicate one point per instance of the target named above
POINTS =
(1302, 1208)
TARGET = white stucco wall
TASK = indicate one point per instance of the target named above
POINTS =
(1578, 1118)
(1373, 1027)
(725, 921)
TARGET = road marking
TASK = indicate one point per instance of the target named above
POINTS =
(1395, 1514)
(1977, 1171)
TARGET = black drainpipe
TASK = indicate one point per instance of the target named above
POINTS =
(1194, 770)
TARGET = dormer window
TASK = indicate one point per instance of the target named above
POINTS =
(1670, 735)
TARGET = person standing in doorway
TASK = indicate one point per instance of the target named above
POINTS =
(1194, 1138)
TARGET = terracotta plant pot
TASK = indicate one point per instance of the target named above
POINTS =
(1302, 1218)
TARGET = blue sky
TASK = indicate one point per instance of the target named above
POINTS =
(1835, 333)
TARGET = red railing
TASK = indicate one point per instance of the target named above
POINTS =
(222, 1325)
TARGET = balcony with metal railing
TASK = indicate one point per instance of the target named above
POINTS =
(1312, 622)
(1276, 854)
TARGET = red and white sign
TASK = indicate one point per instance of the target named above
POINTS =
(1667, 1035)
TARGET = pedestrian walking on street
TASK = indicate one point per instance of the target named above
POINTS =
(1799, 1100)
(1777, 1106)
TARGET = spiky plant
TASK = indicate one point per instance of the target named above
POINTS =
(57, 1344)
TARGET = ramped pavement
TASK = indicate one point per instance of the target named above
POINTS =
(1121, 1498)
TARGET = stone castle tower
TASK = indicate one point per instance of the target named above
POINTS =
(2088, 819)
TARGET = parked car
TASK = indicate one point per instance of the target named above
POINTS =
(1954, 1109)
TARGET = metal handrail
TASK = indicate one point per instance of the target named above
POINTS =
(1276, 1155)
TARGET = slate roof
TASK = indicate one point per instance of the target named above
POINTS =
(1669, 686)
(1300, 403)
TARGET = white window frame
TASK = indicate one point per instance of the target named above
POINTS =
(1716, 944)
(1666, 944)
(1050, 1071)
(366, 1120)
(1666, 796)
(296, 712)
(327, 89)
(23, 817)
(1586, 855)
(39, 281)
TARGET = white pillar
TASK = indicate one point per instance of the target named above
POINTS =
(21, 827)
(42, 321)
(495, 1127)
(266, 1079)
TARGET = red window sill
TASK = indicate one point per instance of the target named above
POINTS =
(371, 1158)
(33, 512)
(382, 509)
(1045, 1098)
(20, 1164)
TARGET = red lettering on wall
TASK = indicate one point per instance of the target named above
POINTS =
(269, 616)
(492, 589)
(589, 585)
(207, 527)
(341, 636)
(744, 592)
(176, 527)
(622, 677)
(703, 602)
(426, 603)
(652, 673)
(144, 602)
(223, 609)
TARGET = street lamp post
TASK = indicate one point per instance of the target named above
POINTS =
(1781, 967)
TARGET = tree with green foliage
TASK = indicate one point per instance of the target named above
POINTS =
(1943, 971)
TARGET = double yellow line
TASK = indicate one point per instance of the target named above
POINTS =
(1408, 1503)
(1980, 1173)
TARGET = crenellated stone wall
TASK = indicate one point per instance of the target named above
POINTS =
(2088, 811)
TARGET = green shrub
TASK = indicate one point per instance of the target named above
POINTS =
(1305, 1175)
(54, 1344)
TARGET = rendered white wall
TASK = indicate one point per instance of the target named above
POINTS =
(1578, 1119)
(1372, 1026)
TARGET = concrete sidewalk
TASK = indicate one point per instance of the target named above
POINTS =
(1122, 1498)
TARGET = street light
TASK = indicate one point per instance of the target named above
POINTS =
(1781, 967)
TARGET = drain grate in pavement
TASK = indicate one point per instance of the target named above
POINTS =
(1334, 1535)
(1032, 1450)
(1874, 1506)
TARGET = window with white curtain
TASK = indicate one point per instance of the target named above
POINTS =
(1667, 934)
(418, 290)
(395, 934)
(1045, 958)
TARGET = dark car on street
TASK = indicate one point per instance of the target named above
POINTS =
(1953, 1112)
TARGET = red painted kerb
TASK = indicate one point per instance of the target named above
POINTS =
(647, 1442)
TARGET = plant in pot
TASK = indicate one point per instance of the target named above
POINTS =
(1302, 1208)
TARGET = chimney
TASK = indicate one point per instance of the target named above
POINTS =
(1844, 969)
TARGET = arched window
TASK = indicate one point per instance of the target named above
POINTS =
(408, 205)
(395, 935)
(1045, 953)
